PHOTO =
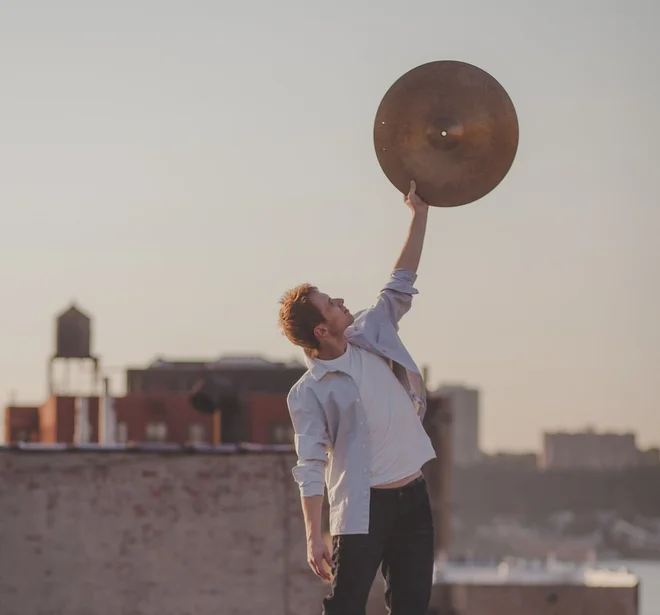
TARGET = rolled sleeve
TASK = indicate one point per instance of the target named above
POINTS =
(311, 443)
(396, 296)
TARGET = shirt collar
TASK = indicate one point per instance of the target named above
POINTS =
(318, 369)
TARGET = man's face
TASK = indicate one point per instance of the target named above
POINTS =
(337, 317)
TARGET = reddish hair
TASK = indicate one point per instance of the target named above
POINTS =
(299, 317)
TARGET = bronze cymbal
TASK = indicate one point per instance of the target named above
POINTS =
(449, 126)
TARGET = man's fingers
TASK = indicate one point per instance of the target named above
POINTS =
(321, 570)
(411, 194)
(315, 570)
(328, 558)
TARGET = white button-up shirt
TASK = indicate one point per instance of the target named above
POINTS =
(329, 420)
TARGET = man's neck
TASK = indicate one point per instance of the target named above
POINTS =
(332, 349)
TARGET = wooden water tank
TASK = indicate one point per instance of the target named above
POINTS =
(73, 335)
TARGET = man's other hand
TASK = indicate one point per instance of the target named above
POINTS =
(318, 555)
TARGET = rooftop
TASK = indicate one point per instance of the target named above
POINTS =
(226, 361)
(533, 573)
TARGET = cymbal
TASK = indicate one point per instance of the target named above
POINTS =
(449, 126)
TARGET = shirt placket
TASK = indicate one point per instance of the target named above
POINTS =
(363, 433)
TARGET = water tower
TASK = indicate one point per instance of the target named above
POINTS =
(73, 356)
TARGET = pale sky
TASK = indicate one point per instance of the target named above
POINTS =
(175, 166)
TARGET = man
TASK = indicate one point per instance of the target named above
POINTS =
(357, 416)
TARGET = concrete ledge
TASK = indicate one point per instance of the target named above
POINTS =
(149, 447)
(84, 531)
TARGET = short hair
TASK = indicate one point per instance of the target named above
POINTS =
(299, 317)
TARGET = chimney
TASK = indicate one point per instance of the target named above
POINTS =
(107, 418)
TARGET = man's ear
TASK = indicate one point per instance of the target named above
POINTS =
(320, 330)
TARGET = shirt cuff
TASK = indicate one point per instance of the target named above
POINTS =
(402, 280)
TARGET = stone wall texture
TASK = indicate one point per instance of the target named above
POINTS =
(143, 533)
(85, 533)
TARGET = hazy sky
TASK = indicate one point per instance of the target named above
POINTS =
(174, 166)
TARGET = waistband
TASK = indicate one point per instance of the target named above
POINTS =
(420, 481)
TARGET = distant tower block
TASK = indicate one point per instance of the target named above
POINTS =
(73, 336)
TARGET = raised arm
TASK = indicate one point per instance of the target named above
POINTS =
(412, 248)
(311, 441)
(396, 296)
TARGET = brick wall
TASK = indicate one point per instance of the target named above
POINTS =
(21, 424)
(57, 419)
(175, 411)
(48, 421)
(143, 533)
(266, 411)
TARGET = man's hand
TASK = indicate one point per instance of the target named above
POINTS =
(318, 555)
(413, 201)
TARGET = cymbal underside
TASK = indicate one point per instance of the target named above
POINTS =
(449, 126)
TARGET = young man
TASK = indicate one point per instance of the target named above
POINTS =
(357, 415)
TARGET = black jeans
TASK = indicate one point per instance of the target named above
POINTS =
(400, 540)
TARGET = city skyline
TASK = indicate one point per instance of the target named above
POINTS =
(173, 169)
(453, 390)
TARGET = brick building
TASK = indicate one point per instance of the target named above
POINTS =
(156, 407)
(57, 420)
(52, 422)
(22, 424)
(263, 418)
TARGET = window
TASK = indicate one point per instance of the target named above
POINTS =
(282, 434)
(156, 432)
(196, 433)
(122, 432)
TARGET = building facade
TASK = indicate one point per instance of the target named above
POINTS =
(262, 418)
(589, 450)
(157, 407)
(21, 424)
(463, 404)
